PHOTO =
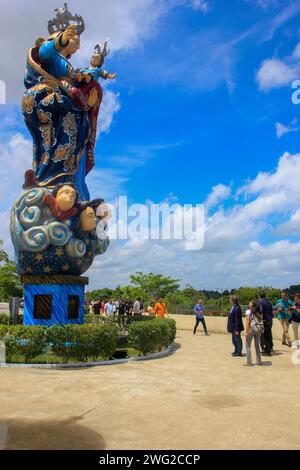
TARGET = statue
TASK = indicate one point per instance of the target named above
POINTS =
(55, 228)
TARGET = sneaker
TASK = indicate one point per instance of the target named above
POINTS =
(237, 355)
(284, 343)
(247, 365)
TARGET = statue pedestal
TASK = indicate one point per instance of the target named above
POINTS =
(49, 300)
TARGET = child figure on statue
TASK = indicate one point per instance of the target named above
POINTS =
(94, 72)
(89, 79)
(87, 93)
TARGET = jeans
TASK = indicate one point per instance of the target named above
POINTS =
(237, 343)
(257, 348)
(266, 340)
(198, 320)
(285, 327)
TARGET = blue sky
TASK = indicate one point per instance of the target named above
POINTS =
(201, 111)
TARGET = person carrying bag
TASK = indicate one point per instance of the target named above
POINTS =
(254, 329)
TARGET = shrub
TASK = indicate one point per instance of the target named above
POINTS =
(24, 341)
(80, 342)
(4, 319)
(104, 340)
(61, 338)
(31, 341)
(171, 324)
(149, 337)
(3, 331)
(94, 319)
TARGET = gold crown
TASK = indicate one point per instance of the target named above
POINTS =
(63, 19)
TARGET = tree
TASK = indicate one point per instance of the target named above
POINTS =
(154, 285)
(294, 290)
(10, 284)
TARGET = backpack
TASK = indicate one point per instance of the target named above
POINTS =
(256, 325)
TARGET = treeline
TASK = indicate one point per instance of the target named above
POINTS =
(149, 287)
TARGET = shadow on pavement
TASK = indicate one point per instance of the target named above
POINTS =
(68, 434)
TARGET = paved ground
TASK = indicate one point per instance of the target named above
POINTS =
(197, 398)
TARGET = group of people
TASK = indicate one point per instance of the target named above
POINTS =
(258, 324)
(127, 307)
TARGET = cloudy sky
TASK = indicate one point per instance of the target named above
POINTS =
(201, 112)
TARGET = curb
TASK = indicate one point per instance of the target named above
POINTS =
(85, 365)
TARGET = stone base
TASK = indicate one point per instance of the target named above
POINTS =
(50, 300)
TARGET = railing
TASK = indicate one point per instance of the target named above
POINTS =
(208, 311)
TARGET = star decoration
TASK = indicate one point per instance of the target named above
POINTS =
(28, 270)
(38, 257)
(47, 269)
(65, 267)
(59, 252)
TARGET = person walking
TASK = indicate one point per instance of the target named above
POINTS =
(97, 307)
(235, 325)
(160, 308)
(282, 307)
(199, 313)
(151, 309)
(128, 307)
(137, 307)
(109, 308)
(295, 309)
(266, 309)
(254, 329)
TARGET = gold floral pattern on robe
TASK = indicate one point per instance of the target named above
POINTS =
(28, 103)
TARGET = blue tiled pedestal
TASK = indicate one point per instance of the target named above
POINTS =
(50, 300)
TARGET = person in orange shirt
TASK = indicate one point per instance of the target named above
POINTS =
(160, 309)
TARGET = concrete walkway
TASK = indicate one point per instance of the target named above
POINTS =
(198, 398)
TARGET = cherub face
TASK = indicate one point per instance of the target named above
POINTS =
(88, 220)
(65, 198)
(97, 60)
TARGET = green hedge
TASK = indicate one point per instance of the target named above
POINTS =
(94, 319)
(171, 324)
(78, 342)
(150, 337)
(5, 319)
(21, 340)
(123, 321)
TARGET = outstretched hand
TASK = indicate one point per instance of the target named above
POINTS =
(111, 76)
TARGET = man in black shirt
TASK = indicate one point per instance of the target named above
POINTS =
(265, 307)
(121, 307)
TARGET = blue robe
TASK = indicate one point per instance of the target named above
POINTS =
(58, 127)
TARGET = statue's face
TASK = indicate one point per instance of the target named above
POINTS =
(65, 198)
(88, 220)
(96, 60)
(73, 46)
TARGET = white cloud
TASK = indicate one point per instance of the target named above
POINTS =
(281, 129)
(291, 227)
(217, 195)
(277, 73)
(109, 107)
(202, 5)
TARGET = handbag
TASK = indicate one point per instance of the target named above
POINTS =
(256, 325)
